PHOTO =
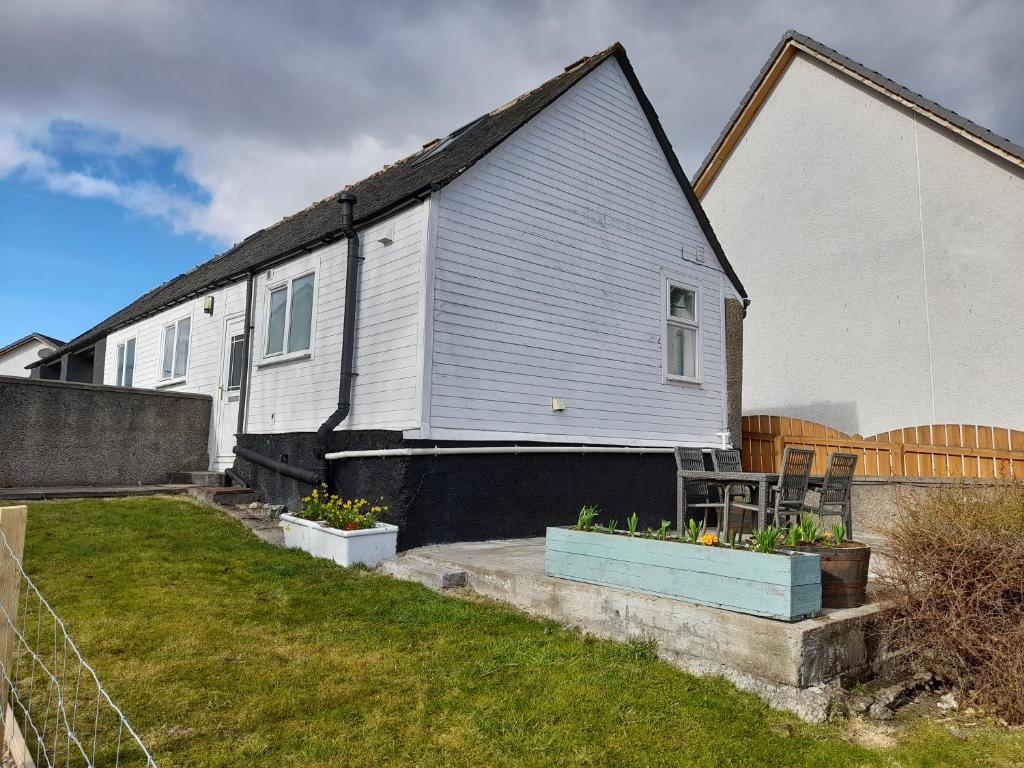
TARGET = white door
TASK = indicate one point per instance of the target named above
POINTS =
(230, 385)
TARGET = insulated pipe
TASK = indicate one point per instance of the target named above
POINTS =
(485, 449)
(298, 473)
(323, 434)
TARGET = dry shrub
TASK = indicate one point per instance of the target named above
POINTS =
(955, 577)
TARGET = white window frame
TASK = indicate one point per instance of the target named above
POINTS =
(166, 381)
(668, 320)
(272, 358)
(118, 372)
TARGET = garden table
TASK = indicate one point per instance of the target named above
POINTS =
(758, 482)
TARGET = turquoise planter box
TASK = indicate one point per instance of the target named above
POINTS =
(786, 587)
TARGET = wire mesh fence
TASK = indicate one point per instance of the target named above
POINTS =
(64, 714)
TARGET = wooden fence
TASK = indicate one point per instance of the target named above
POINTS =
(937, 450)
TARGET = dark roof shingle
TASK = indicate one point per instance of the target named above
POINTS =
(430, 168)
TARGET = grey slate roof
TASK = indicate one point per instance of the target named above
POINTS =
(869, 74)
(430, 168)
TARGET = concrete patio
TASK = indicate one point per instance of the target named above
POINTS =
(796, 666)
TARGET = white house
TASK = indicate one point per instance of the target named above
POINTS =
(883, 236)
(542, 275)
(18, 355)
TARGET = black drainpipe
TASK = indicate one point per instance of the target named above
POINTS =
(323, 434)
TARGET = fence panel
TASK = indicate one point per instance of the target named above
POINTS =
(56, 711)
(932, 450)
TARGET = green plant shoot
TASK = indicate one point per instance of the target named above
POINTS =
(663, 529)
(585, 521)
(631, 523)
(766, 539)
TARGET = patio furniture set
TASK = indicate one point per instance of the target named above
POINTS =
(726, 487)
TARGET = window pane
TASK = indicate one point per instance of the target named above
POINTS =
(301, 314)
(120, 365)
(168, 366)
(129, 363)
(181, 349)
(681, 303)
(275, 325)
(682, 351)
(235, 363)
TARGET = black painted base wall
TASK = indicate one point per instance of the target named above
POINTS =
(435, 499)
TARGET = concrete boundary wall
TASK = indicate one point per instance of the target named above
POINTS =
(876, 501)
(55, 433)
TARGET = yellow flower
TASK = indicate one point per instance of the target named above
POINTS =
(709, 539)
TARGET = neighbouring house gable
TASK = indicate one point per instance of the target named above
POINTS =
(551, 265)
(793, 45)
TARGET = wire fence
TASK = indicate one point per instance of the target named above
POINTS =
(64, 714)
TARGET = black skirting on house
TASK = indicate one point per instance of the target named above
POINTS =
(436, 499)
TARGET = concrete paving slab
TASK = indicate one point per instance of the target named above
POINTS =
(797, 666)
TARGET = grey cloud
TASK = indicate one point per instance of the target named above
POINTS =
(239, 84)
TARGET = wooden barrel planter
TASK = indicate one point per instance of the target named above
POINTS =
(844, 574)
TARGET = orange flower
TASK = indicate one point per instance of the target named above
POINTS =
(709, 539)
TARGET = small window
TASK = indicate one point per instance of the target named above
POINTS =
(682, 332)
(236, 362)
(126, 363)
(175, 348)
(290, 317)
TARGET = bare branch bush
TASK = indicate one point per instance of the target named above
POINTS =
(954, 575)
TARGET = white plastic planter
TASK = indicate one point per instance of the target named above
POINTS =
(368, 546)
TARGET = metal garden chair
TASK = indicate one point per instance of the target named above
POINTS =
(788, 495)
(699, 494)
(835, 490)
(729, 460)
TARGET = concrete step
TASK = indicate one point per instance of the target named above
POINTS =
(435, 577)
(202, 478)
(223, 496)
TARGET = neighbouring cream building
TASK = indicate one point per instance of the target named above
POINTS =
(882, 236)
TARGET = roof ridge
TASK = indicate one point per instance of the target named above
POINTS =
(1000, 144)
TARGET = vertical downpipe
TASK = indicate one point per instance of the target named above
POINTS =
(323, 434)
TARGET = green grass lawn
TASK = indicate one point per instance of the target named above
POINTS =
(224, 651)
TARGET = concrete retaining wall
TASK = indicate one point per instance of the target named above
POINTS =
(59, 433)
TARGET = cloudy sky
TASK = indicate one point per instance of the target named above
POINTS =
(139, 138)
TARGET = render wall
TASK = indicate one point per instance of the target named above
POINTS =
(473, 497)
(550, 264)
(883, 255)
(59, 433)
(14, 362)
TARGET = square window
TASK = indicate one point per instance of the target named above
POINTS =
(290, 317)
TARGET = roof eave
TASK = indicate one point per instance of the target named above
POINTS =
(793, 42)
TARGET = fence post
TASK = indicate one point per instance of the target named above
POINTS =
(12, 523)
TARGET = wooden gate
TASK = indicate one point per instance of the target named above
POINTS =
(937, 450)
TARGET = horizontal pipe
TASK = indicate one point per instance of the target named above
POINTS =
(485, 449)
(298, 473)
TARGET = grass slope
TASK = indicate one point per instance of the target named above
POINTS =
(224, 651)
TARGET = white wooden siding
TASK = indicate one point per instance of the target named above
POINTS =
(549, 269)
(204, 353)
(297, 395)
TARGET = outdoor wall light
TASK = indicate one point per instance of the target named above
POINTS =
(388, 237)
(557, 404)
(208, 305)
